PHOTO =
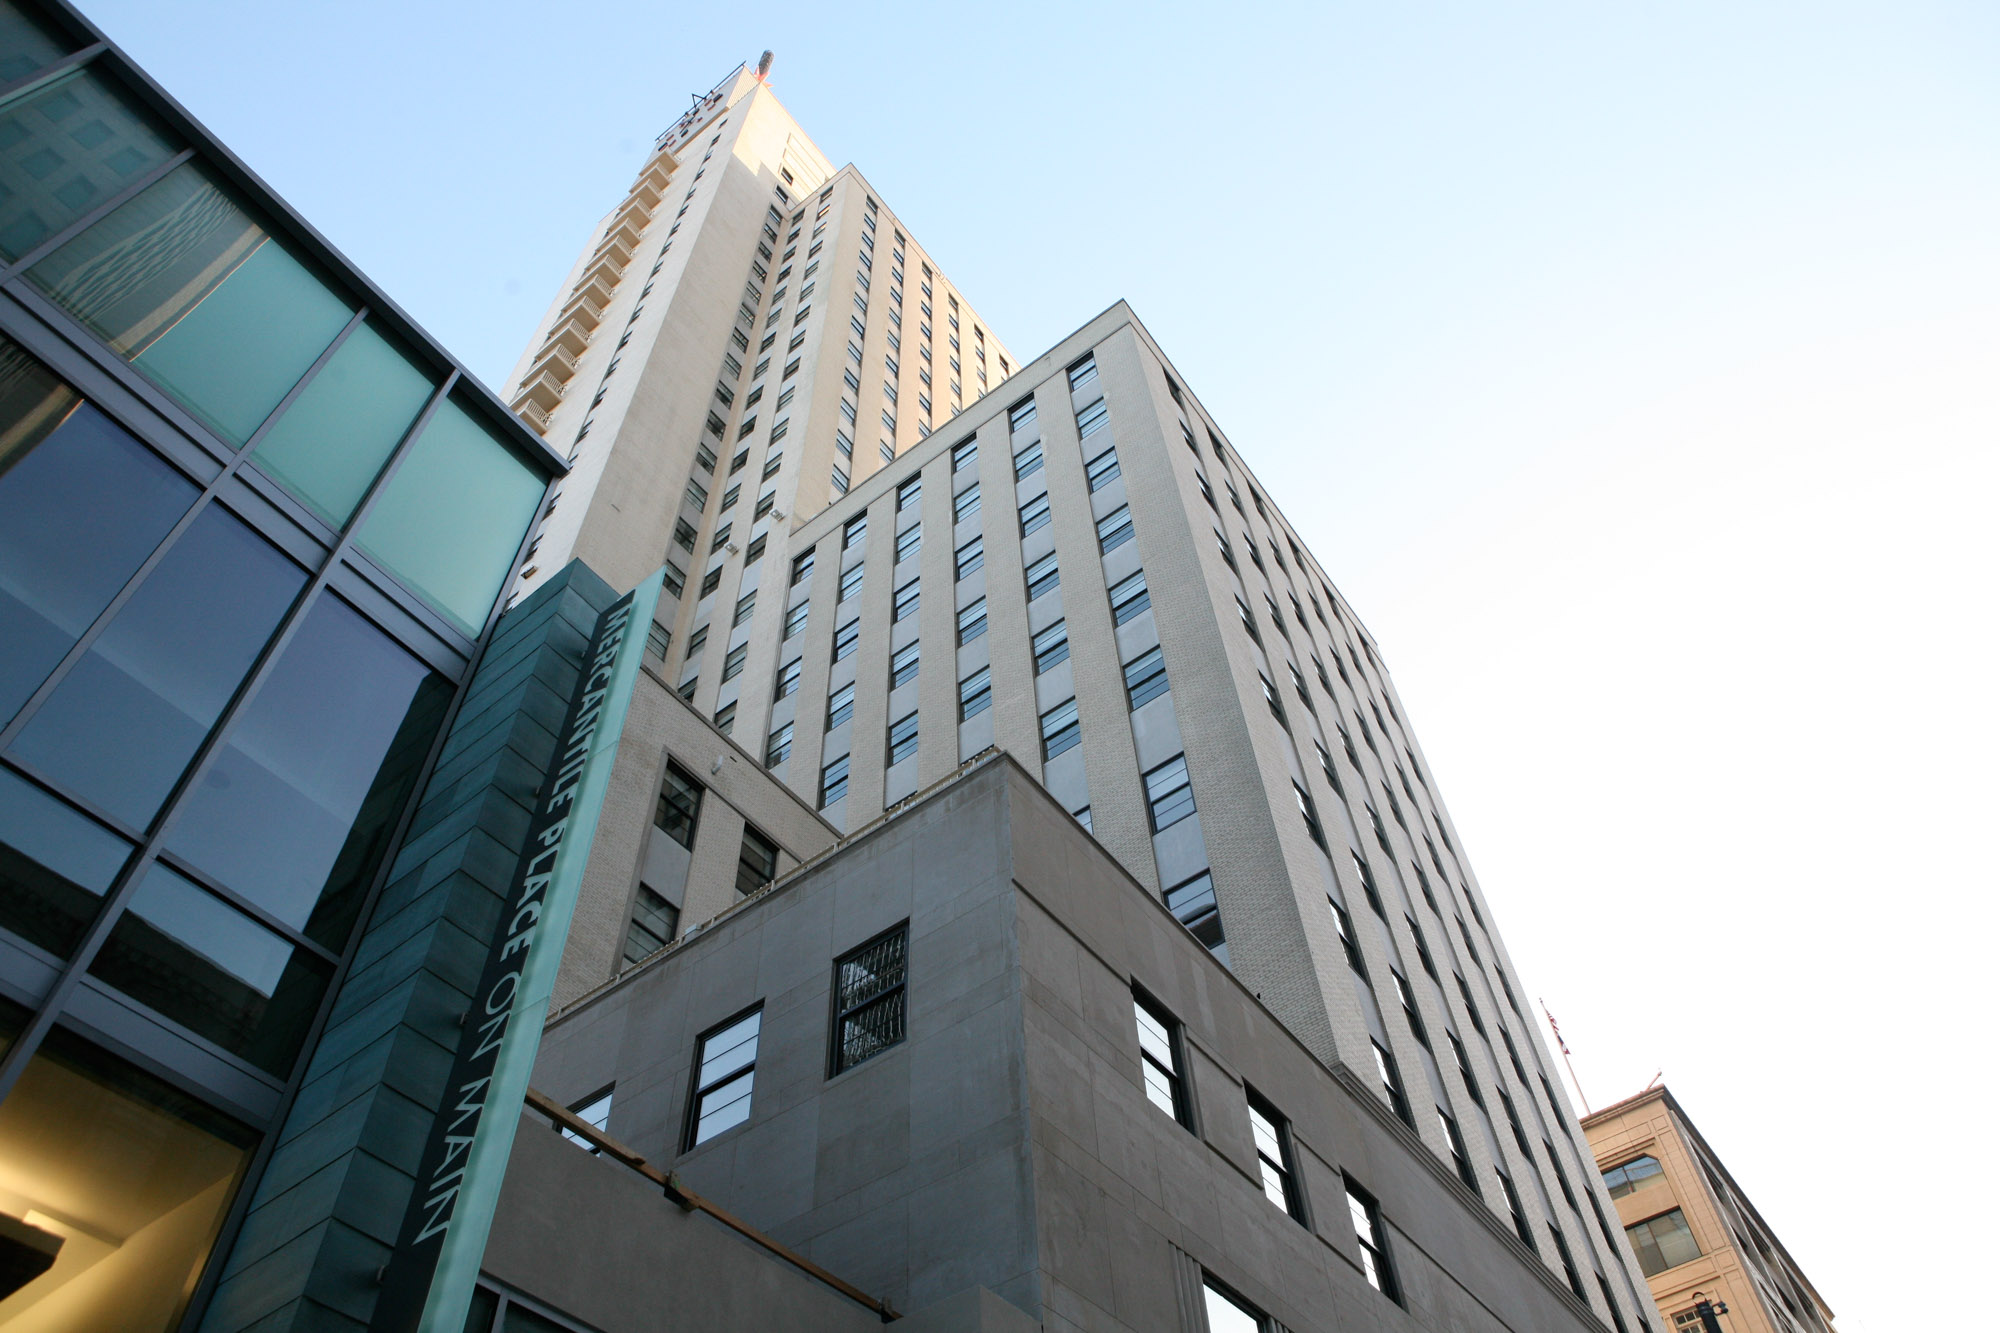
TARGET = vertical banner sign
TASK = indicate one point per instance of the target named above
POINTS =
(428, 1282)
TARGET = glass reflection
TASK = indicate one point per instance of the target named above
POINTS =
(27, 42)
(82, 504)
(126, 719)
(297, 811)
(189, 286)
(65, 148)
(55, 866)
(212, 969)
(112, 1187)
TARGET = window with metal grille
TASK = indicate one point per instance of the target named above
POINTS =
(869, 998)
(1145, 678)
(902, 738)
(1043, 576)
(1192, 902)
(725, 1066)
(1060, 730)
(1169, 798)
(756, 861)
(1051, 646)
(679, 808)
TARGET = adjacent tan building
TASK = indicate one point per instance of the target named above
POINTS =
(1693, 1230)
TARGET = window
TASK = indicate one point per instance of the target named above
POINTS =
(1272, 701)
(679, 808)
(1043, 576)
(779, 748)
(970, 556)
(854, 532)
(1035, 514)
(1310, 813)
(975, 694)
(654, 923)
(745, 606)
(684, 534)
(1568, 1261)
(795, 618)
(1374, 1240)
(1456, 1141)
(1408, 999)
(850, 582)
(1028, 462)
(839, 482)
(833, 782)
(732, 664)
(1129, 597)
(802, 569)
(1662, 1242)
(1083, 374)
(1060, 730)
(1051, 646)
(909, 493)
(725, 1065)
(1628, 1177)
(1343, 924)
(966, 503)
(903, 665)
(725, 718)
(1249, 621)
(1114, 529)
(1160, 1059)
(908, 598)
(1169, 798)
(846, 639)
(1227, 1312)
(1192, 902)
(1272, 1134)
(903, 731)
(1514, 1213)
(788, 678)
(721, 537)
(868, 998)
(1091, 419)
(1145, 678)
(840, 706)
(972, 622)
(964, 454)
(756, 861)
(1102, 470)
(1392, 1083)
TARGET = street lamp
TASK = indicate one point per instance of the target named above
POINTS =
(1708, 1310)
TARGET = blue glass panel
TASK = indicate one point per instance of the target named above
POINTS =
(126, 719)
(79, 512)
(299, 806)
(207, 966)
(65, 148)
(55, 866)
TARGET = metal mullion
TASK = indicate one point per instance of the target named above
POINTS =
(94, 216)
(21, 768)
(63, 65)
(189, 871)
(34, 702)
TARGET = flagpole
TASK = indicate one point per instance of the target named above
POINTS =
(1563, 1046)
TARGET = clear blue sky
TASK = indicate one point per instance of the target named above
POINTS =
(1633, 369)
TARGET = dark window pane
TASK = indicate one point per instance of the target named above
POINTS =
(79, 513)
(343, 426)
(123, 724)
(64, 149)
(55, 866)
(27, 42)
(212, 969)
(193, 290)
(297, 810)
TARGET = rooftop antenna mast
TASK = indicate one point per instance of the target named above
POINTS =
(1563, 1046)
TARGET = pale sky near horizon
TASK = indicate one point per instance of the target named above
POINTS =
(1635, 371)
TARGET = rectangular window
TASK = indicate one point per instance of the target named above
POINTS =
(1310, 813)
(1227, 1312)
(833, 782)
(802, 569)
(964, 454)
(972, 622)
(839, 482)
(1169, 798)
(908, 598)
(756, 861)
(1663, 1242)
(840, 706)
(1160, 1059)
(1392, 1083)
(1051, 646)
(1129, 597)
(1114, 529)
(725, 1066)
(903, 665)
(909, 541)
(721, 537)
(855, 531)
(1192, 902)
(1043, 576)
(654, 923)
(850, 582)
(1460, 1160)
(1021, 416)
(732, 664)
(970, 556)
(1102, 470)
(795, 618)
(975, 694)
(868, 998)
(779, 748)
(1083, 374)
(1035, 514)
(711, 581)
(1343, 925)
(903, 733)
(788, 678)
(966, 503)
(1145, 678)
(1272, 1134)
(846, 639)
(1060, 730)
(745, 606)
(909, 493)
(1374, 1240)
(679, 808)
(1092, 419)
(1028, 462)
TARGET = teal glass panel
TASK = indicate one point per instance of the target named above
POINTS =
(299, 807)
(65, 148)
(210, 968)
(55, 866)
(335, 437)
(193, 289)
(27, 42)
(448, 523)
